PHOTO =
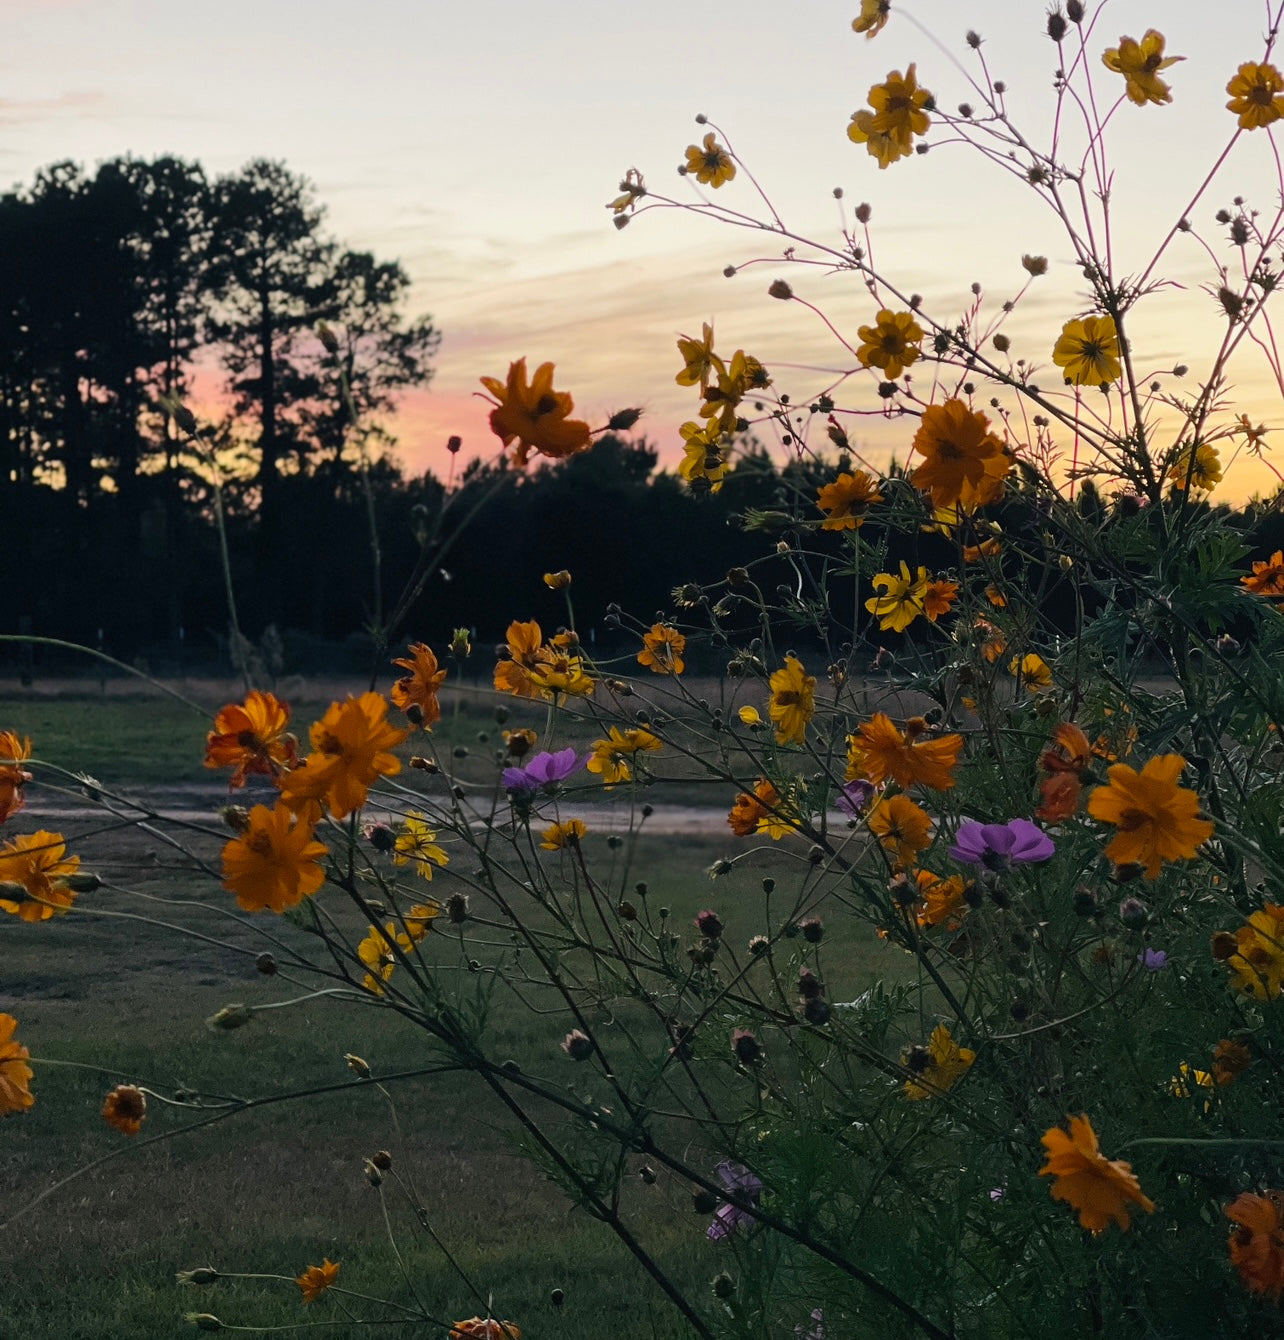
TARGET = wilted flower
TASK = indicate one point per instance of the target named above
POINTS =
(1257, 1245)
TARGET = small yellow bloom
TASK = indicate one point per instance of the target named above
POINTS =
(416, 843)
(662, 649)
(609, 756)
(1088, 351)
(897, 112)
(698, 359)
(568, 834)
(872, 18)
(315, 1280)
(1204, 473)
(938, 1067)
(1140, 63)
(704, 463)
(557, 581)
(902, 599)
(750, 716)
(845, 501)
(1034, 671)
(891, 343)
(710, 165)
(793, 701)
(1257, 95)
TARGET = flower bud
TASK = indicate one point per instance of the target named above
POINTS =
(230, 1017)
(236, 817)
(557, 581)
(457, 908)
(723, 1285)
(813, 929)
(623, 419)
(780, 289)
(704, 1202)
(577, 1045)
(1035, 266)
(648, 1174)
(358, 1067)
(201, 1275)
(1002, 343)
(328, 338)
(759, 944)
(266, 964)
(557, 1297)
(380, 837)
(382, 1160)
(203, 1321)
(709, 924)
(84, 881)
(747, 1048)
(373, 1175)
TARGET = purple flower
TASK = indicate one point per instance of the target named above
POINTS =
(855, 796)
(998, 847)
(1152, 959)
(816, 1331)
(727, 1218)
(543, 770)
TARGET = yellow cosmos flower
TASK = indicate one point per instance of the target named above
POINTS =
(1254, 956)
(872, 18)
(1088, 351)
(36, 868)
(1035, 672)
(534, 415)
(315, 1280)
(609, 756)
(698, 359)
(1204, 473)
(568, 834)
(1140, 63)
(1101, 1189)
(897, 112)
(1257, 95)
(938, 1067)
(1157, 820)
(793, 701)
(378, 956)
(845, 501)
(15, 1073)
(711, 164)
(662, 648)
(902, 599)
(891, 343)
(416, 843)
(704, 463)
(561, 673)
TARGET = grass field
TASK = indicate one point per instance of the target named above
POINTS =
(278, 1188)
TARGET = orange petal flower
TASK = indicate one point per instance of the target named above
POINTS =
(1068, 761)
(15, 1073)
(964, 464)
(419, 687)
(901, 826)
(846, 500)
(535, 415)
(1267, 578)
(1158, 820)
(1101, 1189)
(315, 1280)
(526, 652)
(251, 737)
(273, 864)
(124, 1108)
(1230, 1059)
(12, 775)
(878, 751)
(1257, 1245)
(350, 749)
(750, 810)
(486, 1328)
(943, 899)
(37, 865)
(662, 649)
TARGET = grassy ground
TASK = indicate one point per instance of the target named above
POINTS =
(281, 1187)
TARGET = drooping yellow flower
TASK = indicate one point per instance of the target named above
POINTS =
(534, 415)
(416, 844)
(891, 344)
(273, 863)
(1257, 95)
(378, 956)
(1257, 1245)
(1255, 955)
(704, 461)
(710, 164)
(1157, 820)
(15, 1073)
(793, 701)
(938, 1067)
(1101, 1189)
(698, 359)
(897, 112)
(569, 834)
(662, 648)
(903, 827)
(872, 18)
(419, 688)
(315, 1280)
(125, 1108)
(1140, 63)
(734, 381)
(609, 758)
(1205, 473)
(964, 464)
(1035, 672)
(846, 500)
(350, 749)
(1088, 351)
(562, 674)
(879, 751)
(251, 737)
(902, 598)
(1254, 435)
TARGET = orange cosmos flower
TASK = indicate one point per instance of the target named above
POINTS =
(419, 687)
(938, 597)
(1257, 95)
(486, 1328)
(1257, 1245)
(37, 867)
(1158, 820)
(1068, 762)
(901, 826)
(1101, 1189)
(350, 749)
(525, 652)
(315, 1280)
(1267, 578)
(12, 775)
(252, 738)
(124, 1108)
(878, 751)
(662, 649)
(749, 811)
(535, 415)
(845, 501)
(793, 701)
(943, 899)
(273, 864)
(15, 1073)
(1230, 1059)
(964, 464)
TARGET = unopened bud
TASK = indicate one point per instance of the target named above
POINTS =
(203, 1321)
(373, 1175)
(577, 1045)
(266, 964)
(82, 882)
(382, 1160)
(780, 289)
(201, 1275)
(236, 817)
(623, 419)
(557, 581)
(357, 1065)
(230, 1017)
(327, 337)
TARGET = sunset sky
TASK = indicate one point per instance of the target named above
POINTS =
(479, 145)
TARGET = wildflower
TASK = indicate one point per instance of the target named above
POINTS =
(991, 642)
(37, 868)
(750, 716)
(525, 652)
(1158, 820)
(273, 864)
(1254, 955)
(1033, 670)
(1152, 960)
(1067, 761)
(855, 796)
(315, 1280)
(557, 581)
(556, 837)
(1187, 1075)
(897, 112)
(419, 687)
(561, 673)
(15, 1073)
(416, 843)
(662, 648)
(544, 770)
(750, 810)
(710, 164)
(1267, 578)
(479, 1328)
(698, 359)
(1101, 1189)
(941, 899)
(704, 459)
(938, 597)
(12, 774)
(845, 501)
(945, 1064)
(901, 826)
(535, 415)
(1230, 1059)
(1088, 351)
(744, 374)
(878, 751)
(1257, 95)
(124, 1108)
(964, 464)
(890, 344)
(1257, 1245)
(1254, 438)
(1140, 63)
(418, 921)
(793, 701)
(1204, 473)
(872, 17)
(252, 738)
(902, 599)
(709, 924)
(378, 956)
(609, 755)
(998, 847)
(350, 750)
(728, 1218)
(518, 743)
